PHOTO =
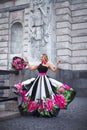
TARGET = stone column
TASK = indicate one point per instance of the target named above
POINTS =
(63, 31)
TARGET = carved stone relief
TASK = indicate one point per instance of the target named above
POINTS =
(42, 29)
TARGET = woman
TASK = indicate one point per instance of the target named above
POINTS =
(43, 96)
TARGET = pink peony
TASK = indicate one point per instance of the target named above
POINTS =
(61, 89)
(66, 87)
(18, 86)
(32, 106)
(59, 100)
(41, 105)
(49, 105)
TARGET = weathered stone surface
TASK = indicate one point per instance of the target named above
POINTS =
(63, 45)
(3, 50)
(64, 38)
(80, 60)
(4, 26)
(79, 12)
(78, 46)
(62, 4)
(4, 20)
(82, 32)
(63, 11)
(3, 44)
(79, 39)
(79, 6)
(63, 25)
(4, 32)
(4, 56)
(79, 25)
(65, 66)
(4, 14)
(79, 19)
(63, 52)
(78, 1)
(63, 17)
(79, 66)
(63, 31)
(65, 59)
(79, 53)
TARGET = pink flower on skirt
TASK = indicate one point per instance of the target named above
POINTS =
(59, 100)
(18, 86)
(49, 104)
(23, 92)
(32, 106)
(66, 86)
(61, 89)
(41, 105)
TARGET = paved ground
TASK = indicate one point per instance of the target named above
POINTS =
(74, 118)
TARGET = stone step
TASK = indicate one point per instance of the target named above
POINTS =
(4, 115)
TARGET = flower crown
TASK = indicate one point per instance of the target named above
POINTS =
(18, 63)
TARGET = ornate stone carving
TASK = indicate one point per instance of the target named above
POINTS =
(41, 28)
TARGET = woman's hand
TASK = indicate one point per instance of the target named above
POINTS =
(59, 61)
(26, 60)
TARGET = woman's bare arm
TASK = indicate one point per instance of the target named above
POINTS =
(30, 67)
(54, 69)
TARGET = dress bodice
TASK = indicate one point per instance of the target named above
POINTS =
(42, 68)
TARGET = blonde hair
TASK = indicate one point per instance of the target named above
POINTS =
(45, 57)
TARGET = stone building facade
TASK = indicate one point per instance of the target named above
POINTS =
(56, 27)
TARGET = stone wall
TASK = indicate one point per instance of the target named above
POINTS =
(79, 34)
(63, 33)
(4, 39)
(70, 30)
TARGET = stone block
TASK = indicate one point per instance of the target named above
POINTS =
(3, 67)
(63, 31)
(4, 26)
(65, 66)
(21, 2)
(3, 38)
(3, 50)
(63, 25)
(63, 11)
(3, 44)
(6, 4)
(2, 106)
(3, 57)
(82, 32)
(79, 46)
(79, 39)
(62, 5)
(4, 32)
(64, 38)
(79, 25)
(79, 60)
(65, 59)
(79, 53)
(3, 62)
(79, 19)
(26, 11)
(4, 20)
(79, 6)
(63, 45)
(79, 12)
(63, 52)
(78, 1)
(79, 67)
(4, 15)
(63, 17)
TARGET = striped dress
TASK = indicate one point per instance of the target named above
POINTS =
(43, 95)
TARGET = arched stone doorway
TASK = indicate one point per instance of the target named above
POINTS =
(16, 45)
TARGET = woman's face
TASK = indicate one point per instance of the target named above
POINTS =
(42, 58)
